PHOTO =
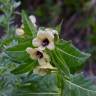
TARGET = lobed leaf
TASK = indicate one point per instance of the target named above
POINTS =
(73, 57)
(59, 62)
(79, 86)
(24, 68)
(28, 26)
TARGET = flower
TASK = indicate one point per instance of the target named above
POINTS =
(19, 32)
(33, 20)
(22, 26)
(43, 69)
(38, 54)
(44, 39)
(52, 31)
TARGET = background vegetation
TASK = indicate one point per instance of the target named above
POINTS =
(77, 20)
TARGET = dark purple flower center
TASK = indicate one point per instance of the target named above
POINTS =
(45, 42)
(39, 54)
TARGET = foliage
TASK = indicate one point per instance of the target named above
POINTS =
(16, 68)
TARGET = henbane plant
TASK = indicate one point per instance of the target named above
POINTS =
(38, 63)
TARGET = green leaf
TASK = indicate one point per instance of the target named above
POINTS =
(21, 46)
(73, 57)
(58, 27)
(59, 62)
(28, 26)
(24, 68)
(19, 56)
(38, 86)
(79, 86)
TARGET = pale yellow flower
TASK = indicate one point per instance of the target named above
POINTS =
(43, 69)
(44, 39)
(33, 20)
(19, 32)
(38, 54)
(22, 26)
(52, 31)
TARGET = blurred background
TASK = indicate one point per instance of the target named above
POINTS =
(77, 18)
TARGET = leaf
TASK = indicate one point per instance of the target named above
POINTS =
(5, 41)
(58, 27)
(7, 84)
(24, 68)
(79, 86)
(38, 86)
(72, 56)
(19, 56)
(59, 62)
(28, 26)
(21, 46)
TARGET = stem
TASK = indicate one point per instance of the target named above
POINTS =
(62, 87)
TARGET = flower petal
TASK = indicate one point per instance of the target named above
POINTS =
(36, 42)
(52, 31)
(47, 66)
(32, 18)
(41, 34)
(46, 57)
(51, 46)
(19, 32)
(42, 61)
(22, 26)
(38, 71)
(55, 32)
(49, 35)
(44, 69)
(31, 52)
